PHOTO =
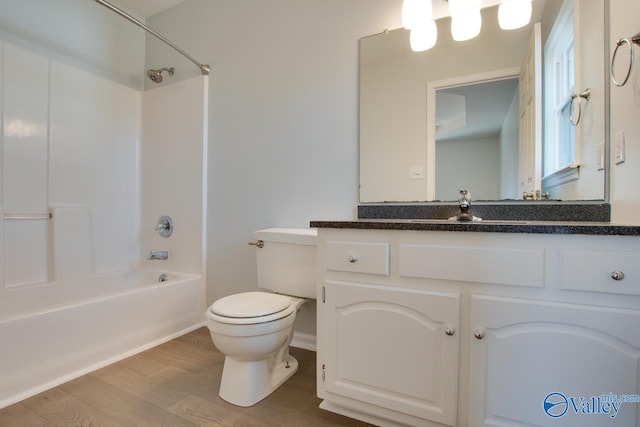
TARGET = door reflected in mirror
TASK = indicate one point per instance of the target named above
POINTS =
(478, 140)
(422, 131)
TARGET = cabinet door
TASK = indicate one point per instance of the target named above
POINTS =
(394, 348)
(537, 363)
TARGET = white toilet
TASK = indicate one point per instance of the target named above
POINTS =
(254, 329)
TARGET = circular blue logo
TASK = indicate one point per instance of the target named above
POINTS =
(555, 405)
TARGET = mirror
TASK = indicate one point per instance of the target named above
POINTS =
(425, 116)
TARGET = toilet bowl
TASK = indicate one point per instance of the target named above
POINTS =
(255, 343)
(254, 329)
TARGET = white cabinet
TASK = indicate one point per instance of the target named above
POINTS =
(599, 271)
(478, 329)
(394, 348)
(524, 351)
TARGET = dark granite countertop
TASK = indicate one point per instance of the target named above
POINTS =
(495, 226)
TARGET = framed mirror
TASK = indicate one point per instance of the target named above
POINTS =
(493, 114)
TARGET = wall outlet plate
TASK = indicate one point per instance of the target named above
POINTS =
(415, 172)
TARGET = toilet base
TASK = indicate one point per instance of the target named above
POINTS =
(245, 383)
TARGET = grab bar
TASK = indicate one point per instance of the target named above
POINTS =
(9, 217)
(629, 42)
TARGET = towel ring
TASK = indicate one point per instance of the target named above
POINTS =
(586, 95)
(629, 42)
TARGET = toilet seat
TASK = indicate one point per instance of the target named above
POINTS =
(250, 308)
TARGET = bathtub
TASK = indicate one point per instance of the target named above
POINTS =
(52, 333)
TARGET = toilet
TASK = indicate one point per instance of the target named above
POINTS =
(254, 329)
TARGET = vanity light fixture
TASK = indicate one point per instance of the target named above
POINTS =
(513, 14)
(466, 20)
(415, 13)
(417, 16)
(424, 37)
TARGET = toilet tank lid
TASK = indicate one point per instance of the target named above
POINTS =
(300, 236)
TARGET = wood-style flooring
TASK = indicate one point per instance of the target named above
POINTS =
(174, 384)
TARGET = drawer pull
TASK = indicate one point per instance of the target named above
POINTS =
(450, 331)
(617, 275)
(353, 259)
(479, 334)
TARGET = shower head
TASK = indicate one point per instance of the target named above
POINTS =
(156, 75)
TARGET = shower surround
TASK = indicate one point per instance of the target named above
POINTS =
(88, 167)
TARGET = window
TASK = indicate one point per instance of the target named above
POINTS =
(559, 144)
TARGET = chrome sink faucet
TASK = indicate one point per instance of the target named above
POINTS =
(160, 255)
(464, 200)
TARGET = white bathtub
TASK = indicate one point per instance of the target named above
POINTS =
(51, 334)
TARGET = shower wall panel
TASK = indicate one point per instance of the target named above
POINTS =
(173, 160)
(94, 161)
(69, 146)
(25, 92)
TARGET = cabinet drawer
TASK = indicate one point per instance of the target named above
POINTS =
(358, 257)
(502, 266)
(593, 270)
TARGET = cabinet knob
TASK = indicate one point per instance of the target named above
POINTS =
(450, 331)
(617, 275)
(479, 334)
(353, 259)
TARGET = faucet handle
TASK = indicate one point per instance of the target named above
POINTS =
(164, 226)
(464, 197)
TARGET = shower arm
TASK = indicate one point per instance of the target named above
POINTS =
(204, 68)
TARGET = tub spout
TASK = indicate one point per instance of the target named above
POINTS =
(162, 255)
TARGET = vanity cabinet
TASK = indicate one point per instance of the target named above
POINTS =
(524, 350)
(392, 347)
(478, 329)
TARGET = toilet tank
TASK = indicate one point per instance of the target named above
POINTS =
(287, 261)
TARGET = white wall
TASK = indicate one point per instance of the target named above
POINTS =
(475, 166)
(80, 33)
(283, 114)
(625, 110)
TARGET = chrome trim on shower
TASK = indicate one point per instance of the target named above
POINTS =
(10, 217)
(204, 68)
(156, 75)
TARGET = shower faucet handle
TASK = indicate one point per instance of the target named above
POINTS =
(164, 226)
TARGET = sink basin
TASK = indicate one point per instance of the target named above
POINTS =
(484, 221)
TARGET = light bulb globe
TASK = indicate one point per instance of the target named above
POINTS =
(514, 14)
(466, 26)
(424, 37)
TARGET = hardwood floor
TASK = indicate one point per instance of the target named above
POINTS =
(174, 384)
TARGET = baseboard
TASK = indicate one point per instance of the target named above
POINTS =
(304, 341)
